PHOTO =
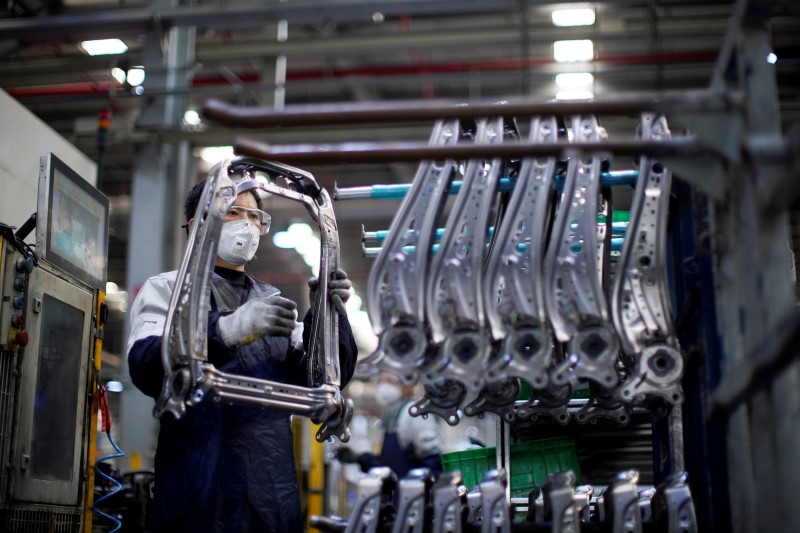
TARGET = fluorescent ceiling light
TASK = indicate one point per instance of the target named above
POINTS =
(573, 17)
(580, 50)
(192, 117)
(570, 80)
(214, 154)
(118, 74)
(115, 386)
(574, 95)
(135, 76)
(772, 58)
(102, 47)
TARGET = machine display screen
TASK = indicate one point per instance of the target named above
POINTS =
(76, 224)
(56, 399)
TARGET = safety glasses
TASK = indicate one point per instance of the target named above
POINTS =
(258, 217)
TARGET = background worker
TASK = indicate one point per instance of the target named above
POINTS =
(408, 442)
(224, 467)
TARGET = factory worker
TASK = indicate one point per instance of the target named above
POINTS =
(222, 467)
(409, 442)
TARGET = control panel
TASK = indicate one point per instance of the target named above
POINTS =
(14, 275)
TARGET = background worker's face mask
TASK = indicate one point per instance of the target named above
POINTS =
(238, 242)
(387, 393)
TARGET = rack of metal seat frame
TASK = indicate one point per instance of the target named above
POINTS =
(528, 213)
(729, 416)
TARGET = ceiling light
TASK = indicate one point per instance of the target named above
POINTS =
(192, 117)
(772, 58)
(579, 50)
(573, 17)
(571, 80)
(102, 47)
(214, 154)
(115, 386)
(135, 76)
(574, 95)
(118, 74)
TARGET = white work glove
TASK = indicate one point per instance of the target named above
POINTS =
(273, 315)
(338, 289)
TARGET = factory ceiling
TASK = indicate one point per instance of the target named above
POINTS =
(293, 53)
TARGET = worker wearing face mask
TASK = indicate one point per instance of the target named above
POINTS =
(223, 467)
(409, 442)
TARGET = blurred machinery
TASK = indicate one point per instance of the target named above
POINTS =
(52, 315)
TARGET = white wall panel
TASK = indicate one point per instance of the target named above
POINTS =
(23, 139)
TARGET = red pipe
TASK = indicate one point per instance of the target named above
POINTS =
(83, 88)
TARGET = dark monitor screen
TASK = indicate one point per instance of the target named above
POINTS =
(72, 223)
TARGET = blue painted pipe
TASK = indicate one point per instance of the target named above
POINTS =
(398, 191)
(617, 230)
(616, 246)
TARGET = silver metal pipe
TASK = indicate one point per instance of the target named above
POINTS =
(367, 152)
(699, 101)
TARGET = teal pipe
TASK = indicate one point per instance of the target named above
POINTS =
(398, 191)
(617, 230)
(373, 251)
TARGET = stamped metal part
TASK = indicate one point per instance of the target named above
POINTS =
(442, 396)
(550, 402)
(474, 510)
(515, 306)
(560, 502)
(640, 305)
(397, 281)
(645, 504)
(673, 509)
(583, 502)
(496, 515)
(373, 492)
(188, 377)
(621, 501)
(184, 346)
(449, 503)
(574, 295)
(454, 297)
(497, 397)
(604, 404)
(414, 511)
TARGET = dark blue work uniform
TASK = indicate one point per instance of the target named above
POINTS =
(223, 467)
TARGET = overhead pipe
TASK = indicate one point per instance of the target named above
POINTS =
(88, 88)
(695, 101)
(397, 191)
(369, 152)
(113, 23)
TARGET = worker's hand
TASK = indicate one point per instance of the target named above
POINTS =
(339, 289)
(345, 455)
(273, 315)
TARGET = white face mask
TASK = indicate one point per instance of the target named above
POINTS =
(387, 393)
(238, 242)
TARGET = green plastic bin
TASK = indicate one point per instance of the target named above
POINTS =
(472, 464)
(531, 463)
